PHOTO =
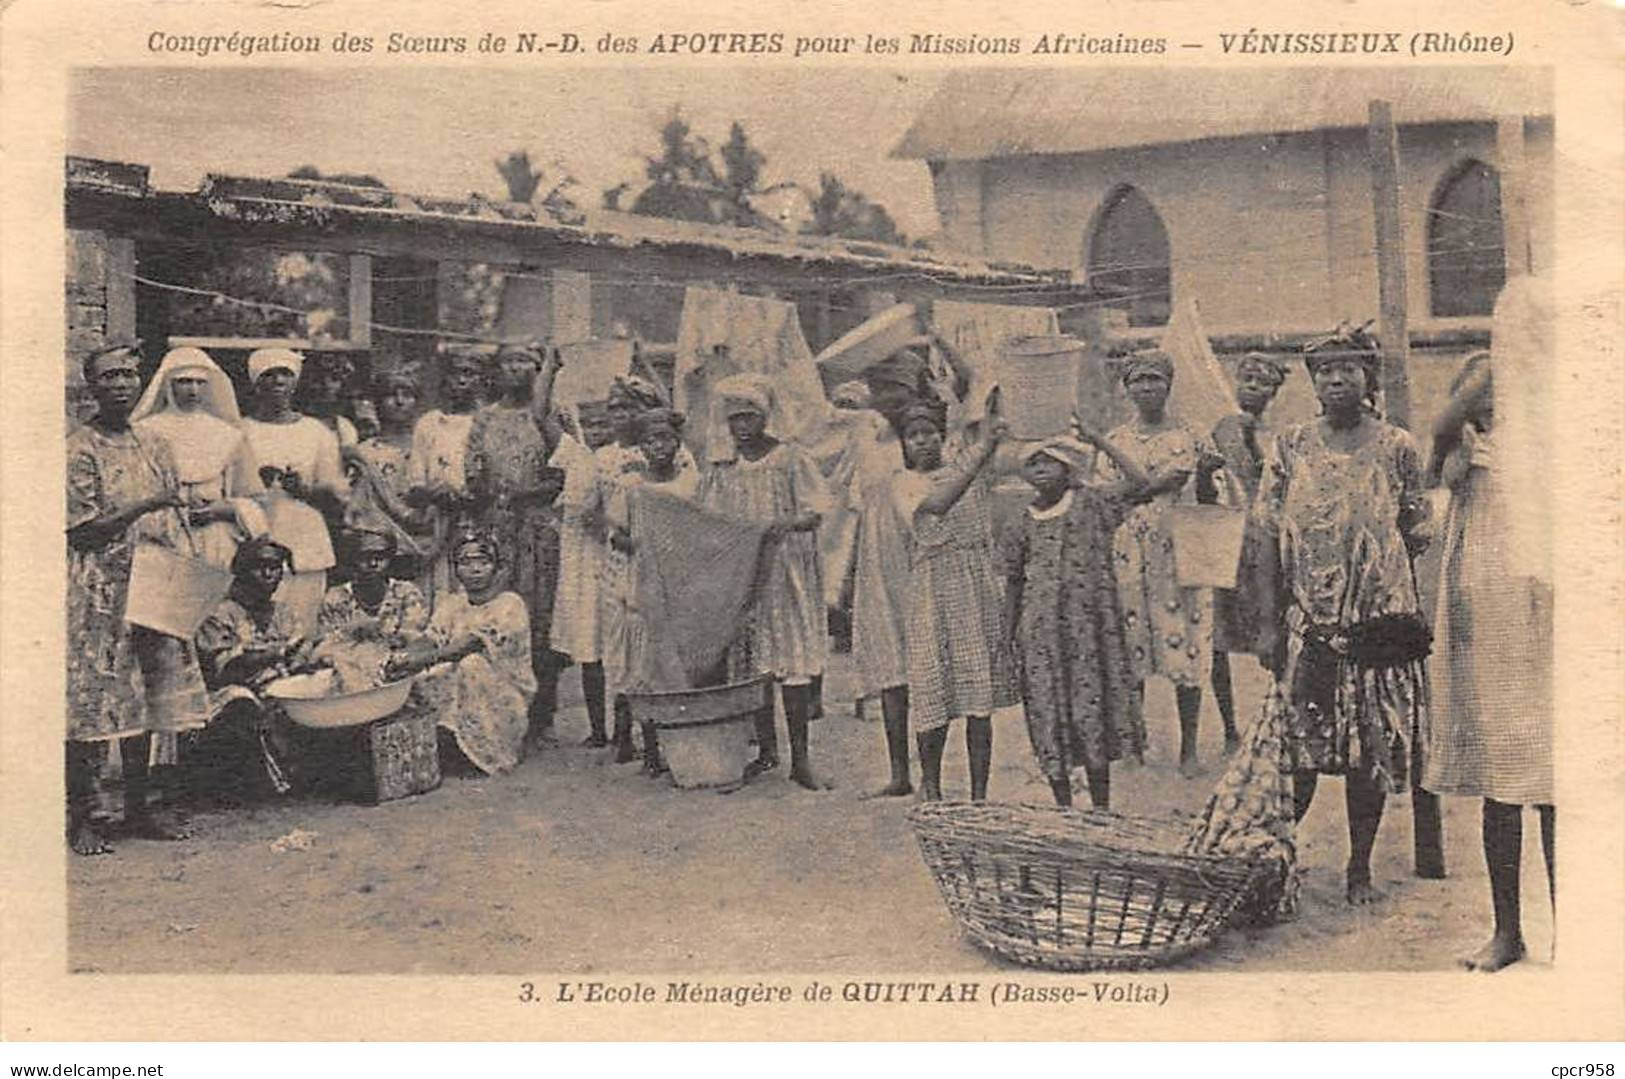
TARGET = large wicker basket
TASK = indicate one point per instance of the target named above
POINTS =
(1069, 890)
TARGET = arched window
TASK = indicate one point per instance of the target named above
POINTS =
(1128, 257)
(1466, 256)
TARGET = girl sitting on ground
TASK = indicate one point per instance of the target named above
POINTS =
(478, 677)
(366, 619)
(248, 641)
(1064, 620)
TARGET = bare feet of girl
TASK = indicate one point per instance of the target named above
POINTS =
(804, 777)
(894, 789)
(88, 840)
(1498, 953)
(1360, 893)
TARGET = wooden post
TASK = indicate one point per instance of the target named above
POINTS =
(1382, 146)
(1509, 158)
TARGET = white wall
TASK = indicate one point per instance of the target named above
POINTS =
(1272, 233)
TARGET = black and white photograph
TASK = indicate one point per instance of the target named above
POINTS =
(688, 528)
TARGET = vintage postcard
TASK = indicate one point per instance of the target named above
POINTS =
(812, 521)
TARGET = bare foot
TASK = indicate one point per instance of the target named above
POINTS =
(595, 740)
(88, 840)
(1430, 870)
(930, 794)
(760, 765)
(1499, 952)
(1232, 742)
(1360, 893)
(160, 824)
(897, 788)
(804, 777)
(1191, 768)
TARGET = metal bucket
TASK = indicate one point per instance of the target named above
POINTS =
(705, 733)
(171, 592)
(1038, 385)
(1207, 544)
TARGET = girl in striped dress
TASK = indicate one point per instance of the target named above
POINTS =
(957, 661)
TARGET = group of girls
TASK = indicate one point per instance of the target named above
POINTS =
(490, 545)
(1090, 604)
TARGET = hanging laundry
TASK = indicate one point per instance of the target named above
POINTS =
(1201, 394)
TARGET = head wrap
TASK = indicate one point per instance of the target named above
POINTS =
(1469, 367)
(1263, 365)
(528, 351)
(660, 419)
(741, 393)
(358, 535)
(1071, 452)
(905, 368)
(926, 410)
(1347, 342)
(1151, 361)
(853, 395)
(388, 378)
(112, 348)
(252, 552)
(219, 399)
(266, 359)
(640, 391)
(731, 395)
(476, 538)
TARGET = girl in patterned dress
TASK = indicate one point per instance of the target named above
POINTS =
(957, 661)
(125, 683)
(1169, 627)
(365, 619)
(1062, 616)
(438, 470)
(776, 485)
(478, 678)
(1244, 616)
(380, 469)
(513, 490)
(1344, 494)
(659, 441)
(617, 466)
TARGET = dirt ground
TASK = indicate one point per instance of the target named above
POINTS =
(575, 865)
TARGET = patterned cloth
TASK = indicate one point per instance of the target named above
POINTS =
(1489, 730)
(619, 469)
(1077, 682)
(690, 587)
(232, 629)
(1244, 616)
(389, 466)
(1169, 628)
(1344, 520)
(786, 633)
(358, 642)
(122, 680)
(484, 698)
(505, 458)
(958, 662)
(1250, 814)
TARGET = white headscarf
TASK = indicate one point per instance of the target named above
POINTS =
(753, 391)
(205, 438)
(219, 399)
(265, 359)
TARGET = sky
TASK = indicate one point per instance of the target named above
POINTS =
(439, 131)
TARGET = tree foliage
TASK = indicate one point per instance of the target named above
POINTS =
(840, 211)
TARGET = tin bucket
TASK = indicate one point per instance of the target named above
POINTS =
(1038, 385)
(171, 592)
(704, 733)
(1207, 544)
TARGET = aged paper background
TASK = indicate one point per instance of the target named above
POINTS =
(1583, 996)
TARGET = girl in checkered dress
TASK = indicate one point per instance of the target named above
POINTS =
(958, 664)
